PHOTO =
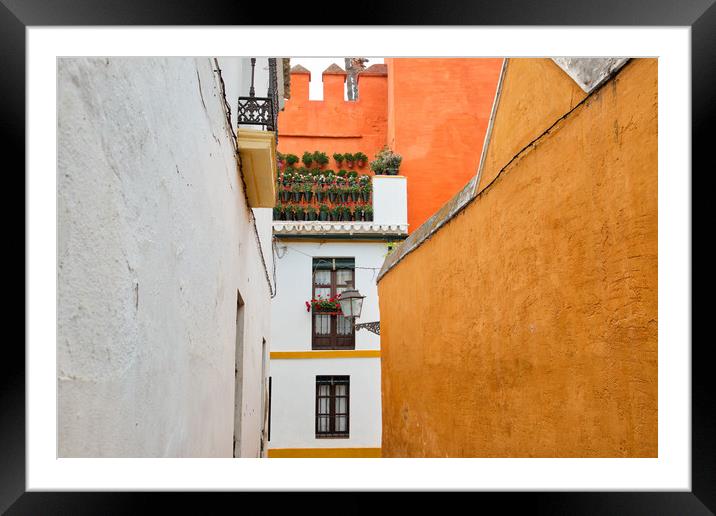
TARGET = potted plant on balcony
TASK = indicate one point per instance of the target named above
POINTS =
(360, 159)
(392, 163)
(286, 194)
(278, 211)
(349, 159)
(324, 212)
(355, 193)
(310, 213)
(290, 212)
(308, 192)
(344, 194)
(291, 159)
(297, 192)
(332, 193)
(377, 166)
(324, 304)
(336, 213)
(367, 212)
(320, 158)
(307, 158)
(320, 192)
(386, 162)
(338, 158)
(358, 212)
(365, 190)
(300, 213)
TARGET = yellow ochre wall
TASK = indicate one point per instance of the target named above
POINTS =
(527, 325)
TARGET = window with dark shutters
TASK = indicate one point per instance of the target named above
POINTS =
(332, 406)
(331, 276)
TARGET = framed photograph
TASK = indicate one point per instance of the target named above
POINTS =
(461, 263)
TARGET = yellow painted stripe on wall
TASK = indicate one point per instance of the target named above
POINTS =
(317, 453)
(353, 353)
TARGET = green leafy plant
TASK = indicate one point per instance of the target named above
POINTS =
(308, 191)
(349, 159)
(368, 212)
(360, 158)
(320, 158)
(291, 159)
(307, 158)
(310, 213)
(324, 212)
(278, 211)
(338, 158)
(386, 162)
(365, 191)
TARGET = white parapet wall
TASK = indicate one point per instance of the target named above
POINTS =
(390, 200)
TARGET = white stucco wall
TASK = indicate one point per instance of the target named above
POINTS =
(154, 240)
(291, 328)
(390, 200)
(293, 404)
(294, 380)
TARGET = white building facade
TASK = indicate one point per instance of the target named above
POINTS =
(164, 259)
(325, 376)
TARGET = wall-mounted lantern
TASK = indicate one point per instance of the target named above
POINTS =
(351, 302)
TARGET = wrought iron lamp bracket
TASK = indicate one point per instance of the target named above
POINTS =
(373, 326)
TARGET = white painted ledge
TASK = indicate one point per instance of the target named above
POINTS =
(349, 228)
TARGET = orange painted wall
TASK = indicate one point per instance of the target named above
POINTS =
(438, 115)
(531, 325)
(334, 125)
(433, 111)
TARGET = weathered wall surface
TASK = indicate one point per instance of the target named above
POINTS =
(154, 240)
(438, 115)
(535, 93)
(334, 125)
(527, 325)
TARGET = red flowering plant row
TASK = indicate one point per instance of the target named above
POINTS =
(324, 304)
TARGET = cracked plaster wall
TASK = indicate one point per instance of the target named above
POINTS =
(531, 327)
(154, 240)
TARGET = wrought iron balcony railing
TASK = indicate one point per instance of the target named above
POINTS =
(261, 111)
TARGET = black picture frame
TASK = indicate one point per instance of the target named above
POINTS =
(700, 15)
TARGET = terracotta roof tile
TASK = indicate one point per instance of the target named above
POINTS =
(298, 69)
(334, 69)
(376, 69)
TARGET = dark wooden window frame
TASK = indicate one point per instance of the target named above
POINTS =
(333, 381)
(332, 340)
